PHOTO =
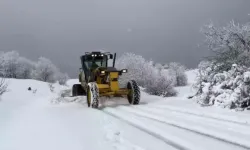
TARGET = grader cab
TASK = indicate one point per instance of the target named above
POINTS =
(97, 79)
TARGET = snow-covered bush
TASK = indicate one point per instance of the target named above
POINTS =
(177, 72)
(161, 85)
(146, 74)
(229, 89)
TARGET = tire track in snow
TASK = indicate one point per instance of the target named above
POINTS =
(202, 121)
(141, 113)
(152, 133)
(200, 115)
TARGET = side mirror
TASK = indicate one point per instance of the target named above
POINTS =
(111, 56)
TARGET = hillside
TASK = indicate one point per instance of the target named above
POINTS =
(40, 119)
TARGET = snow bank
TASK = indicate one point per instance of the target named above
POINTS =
(18, 95)
(18, 89)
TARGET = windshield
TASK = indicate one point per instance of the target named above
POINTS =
(96, 63)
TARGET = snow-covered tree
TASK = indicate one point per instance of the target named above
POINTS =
(146, 74)
(229, 44)
(10, 64)
(25, 68)
(62, 78)
(138, 68)
(45, 70)
(177, 72)
(223, 79)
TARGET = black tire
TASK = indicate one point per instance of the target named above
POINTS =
(77, 90)
(89, 95)
(93, 95)
(134, 94)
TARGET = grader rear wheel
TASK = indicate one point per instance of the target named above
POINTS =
(77, 90)
(134, 94)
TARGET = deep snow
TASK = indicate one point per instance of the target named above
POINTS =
(39, 120)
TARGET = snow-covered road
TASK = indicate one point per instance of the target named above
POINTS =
(41, 125)
(185, 131)
(37, 123)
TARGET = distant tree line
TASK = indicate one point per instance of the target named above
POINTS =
(12, 65)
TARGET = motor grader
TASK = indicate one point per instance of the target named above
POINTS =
(98, 79)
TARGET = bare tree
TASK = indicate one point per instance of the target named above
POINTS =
(3, 86)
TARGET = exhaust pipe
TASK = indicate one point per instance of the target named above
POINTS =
(114, 60)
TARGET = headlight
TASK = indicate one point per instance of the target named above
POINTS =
(124, 71)
(102, 72)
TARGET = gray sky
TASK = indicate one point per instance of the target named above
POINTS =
(62, 30)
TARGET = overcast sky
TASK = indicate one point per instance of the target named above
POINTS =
(62, 30)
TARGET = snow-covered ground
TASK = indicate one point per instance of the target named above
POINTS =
(38, 120)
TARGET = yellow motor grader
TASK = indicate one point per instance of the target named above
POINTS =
(97, 79)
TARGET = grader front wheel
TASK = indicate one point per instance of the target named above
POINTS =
(89, 95)
(134, 94)
(93, 95)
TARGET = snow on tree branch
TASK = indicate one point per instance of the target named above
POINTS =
(149, 76)
(230, 44)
